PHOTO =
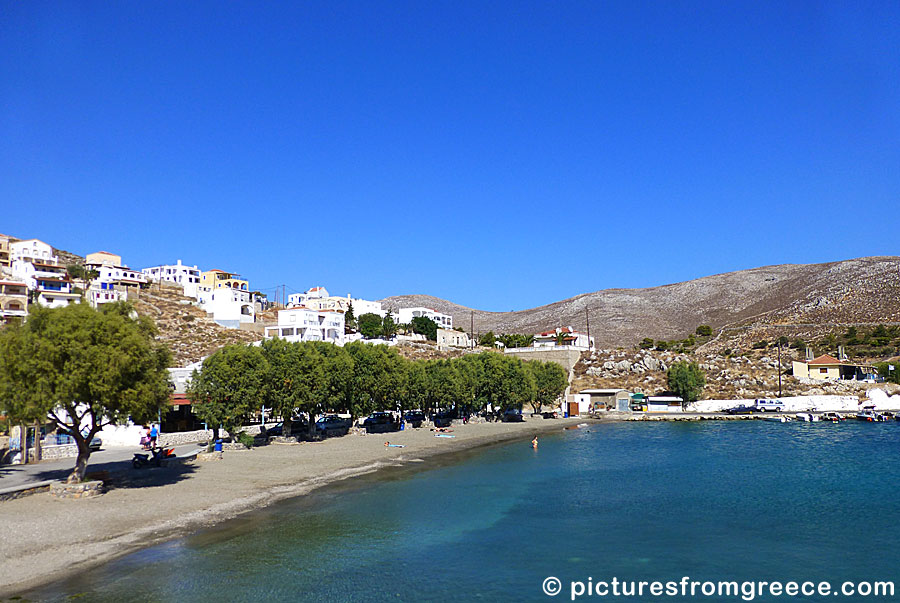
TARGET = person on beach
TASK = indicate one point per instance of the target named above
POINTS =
(145, 437)
(154, 434)
(534, 443)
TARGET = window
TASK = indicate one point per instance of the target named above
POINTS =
(823, 370)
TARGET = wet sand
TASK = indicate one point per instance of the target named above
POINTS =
(47, 539)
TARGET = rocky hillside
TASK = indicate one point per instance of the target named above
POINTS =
(789, 297)
(185, 328)
(751, 375)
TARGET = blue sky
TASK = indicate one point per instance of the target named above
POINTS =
(502, 155)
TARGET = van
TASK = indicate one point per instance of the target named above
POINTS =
(767, 404)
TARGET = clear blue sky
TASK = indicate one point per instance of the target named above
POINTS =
(501, 155)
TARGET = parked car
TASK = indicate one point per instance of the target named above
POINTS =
(414, 418)
(551, 414)
(512, 415)
(380, 422)
(298, 426)
(332, 425)
(743, 409)
(442, 419)
(95, 444)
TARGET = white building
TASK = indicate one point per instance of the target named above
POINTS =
(456, 339)
(303, 324)
(110, 270)
(564, 337)
(230, 307)
(405, 316)
(32, 250)
(49, 280)
(104, 293)
(318, 298)
(186, 276)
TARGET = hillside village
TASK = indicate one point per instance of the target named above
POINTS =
(199, 311)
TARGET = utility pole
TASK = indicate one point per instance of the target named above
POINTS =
(472, 328)
(779, 367)
(587, 319)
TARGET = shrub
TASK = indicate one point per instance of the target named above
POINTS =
(246, 439)
(704, 330)
(761, 345)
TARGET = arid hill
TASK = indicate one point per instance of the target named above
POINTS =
(788, 298)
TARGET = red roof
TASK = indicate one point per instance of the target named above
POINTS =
(178, 399)
(13, 283)
(825, 359)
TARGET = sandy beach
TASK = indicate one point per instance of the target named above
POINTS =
(48, 539)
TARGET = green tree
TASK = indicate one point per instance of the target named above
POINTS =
(487, 339)
(349, 320)
(388, 326)
(686, 380)
(332, 383)
(425, 326)
(550, 381)
(376, 381)
(294, 370)
(646, 343)
(81, 369)
(229, 386)
(704, 331)
(370, 325)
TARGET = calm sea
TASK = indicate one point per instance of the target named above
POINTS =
(741, 500)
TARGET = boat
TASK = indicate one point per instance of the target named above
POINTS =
(871, 416)
(807, 417)
(781, 419)
(833, 417)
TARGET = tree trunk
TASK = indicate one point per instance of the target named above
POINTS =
(312, 425)
(84, 453)
(215, 435)
(286, 431)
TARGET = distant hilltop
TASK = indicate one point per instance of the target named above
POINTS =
(795, 296)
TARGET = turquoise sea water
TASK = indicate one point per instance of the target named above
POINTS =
(742, 500)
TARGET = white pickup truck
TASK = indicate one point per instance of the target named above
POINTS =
(767, 404)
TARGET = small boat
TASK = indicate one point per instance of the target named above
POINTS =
(781, 419)
(832, 417)
(870, 416)
(807, 417)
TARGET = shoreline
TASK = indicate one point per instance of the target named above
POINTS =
(52, 540)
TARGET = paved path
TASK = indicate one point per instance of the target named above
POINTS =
(110, 460)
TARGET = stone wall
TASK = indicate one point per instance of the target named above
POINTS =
(58, 451)
(82, 490)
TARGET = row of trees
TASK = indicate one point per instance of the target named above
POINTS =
(316, 377)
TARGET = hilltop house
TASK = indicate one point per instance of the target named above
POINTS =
(13, 300)
(110, 270)
(304, 324)
(564, 336)
(219, 279)
(829, 368)
(317, 298)
(186, 276)
(49, 281)
(405, 316)
(230, 307)
(32, 250)
(5, 260)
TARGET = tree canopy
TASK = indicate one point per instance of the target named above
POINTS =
(686, 380)
(81, 369)
(425, 326)
(370, 325)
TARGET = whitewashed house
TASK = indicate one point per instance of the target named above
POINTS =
(405, 316)
(564, 337)
(304, 324)
(456, 339)
(49, 281)
(110, 270)
(32, 250)
(230, 307)
(317, 298)
(186, 276)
